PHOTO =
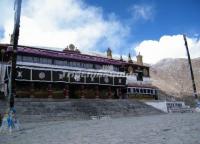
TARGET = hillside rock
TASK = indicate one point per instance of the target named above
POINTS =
(173, 76)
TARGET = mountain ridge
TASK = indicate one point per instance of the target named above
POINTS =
(173, 76)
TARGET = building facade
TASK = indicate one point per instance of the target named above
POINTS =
(45, 73)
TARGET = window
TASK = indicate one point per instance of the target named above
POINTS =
(58, 62)
(74, 64)
(36, 59)
(71, 63)
(108, 67)
(86, 66)
(19, 58)
(49, 61)
(145, 91)
(81, 65)
(66, 63)
(116, 68)
(98, 66)
(137, 90)
(27, 59)
(78, 64)
(90, 66)
(45, 61)
(129, 90)
(153, 91)
(140, 76)
(134, 90)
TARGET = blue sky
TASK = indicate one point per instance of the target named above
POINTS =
(1, 32)
(152, 27)
(169, 17)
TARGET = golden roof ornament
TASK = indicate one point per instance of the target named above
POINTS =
(129, 58)
(109, 53)
(139, 59)
(121, 59)
(71, 47)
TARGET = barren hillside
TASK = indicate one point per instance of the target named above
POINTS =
(173, 76)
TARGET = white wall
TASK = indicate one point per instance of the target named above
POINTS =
(132, 79)
(162, 105)
(2, 75)
(158, 105)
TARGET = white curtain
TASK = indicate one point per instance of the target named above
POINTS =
(2, 76)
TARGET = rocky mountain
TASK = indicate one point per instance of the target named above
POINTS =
(173, 76)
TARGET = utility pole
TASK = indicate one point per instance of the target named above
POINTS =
(191, 70)
(10, 121)
(14, 42)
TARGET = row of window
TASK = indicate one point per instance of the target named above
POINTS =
(171, 105)
(62, 62)
(75, 64)
(136, 90)
(34, 59)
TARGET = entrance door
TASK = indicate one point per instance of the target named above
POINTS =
(140, 76)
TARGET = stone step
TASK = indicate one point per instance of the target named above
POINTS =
(81, 109)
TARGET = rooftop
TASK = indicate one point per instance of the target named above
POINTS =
(66, 54)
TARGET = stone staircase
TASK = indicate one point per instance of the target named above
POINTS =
(33, 110)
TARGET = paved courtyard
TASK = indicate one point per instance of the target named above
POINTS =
(156, 129)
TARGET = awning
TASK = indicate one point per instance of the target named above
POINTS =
(39, 74)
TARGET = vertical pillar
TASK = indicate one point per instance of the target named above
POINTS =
(66, 92)
(50, 91)
(119, 93)
(32, 90)
(97, 92)
(85, 91)
(109, 92)
(82, 92)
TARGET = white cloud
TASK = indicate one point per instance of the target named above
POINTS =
(6, 9)
(142, 11)
(167, 47)
(57, 23)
